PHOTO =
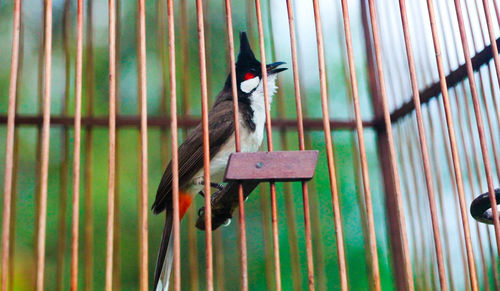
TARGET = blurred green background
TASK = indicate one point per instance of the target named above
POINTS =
(260, 267)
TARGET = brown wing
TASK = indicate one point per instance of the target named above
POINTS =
(221, 127)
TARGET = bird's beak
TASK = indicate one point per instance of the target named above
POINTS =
(273, 68)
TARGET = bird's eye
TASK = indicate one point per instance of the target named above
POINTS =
(249, 76)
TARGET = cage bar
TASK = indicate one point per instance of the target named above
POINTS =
(385, 139)
(9, 152)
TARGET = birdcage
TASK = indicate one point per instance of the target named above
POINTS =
(398, 97)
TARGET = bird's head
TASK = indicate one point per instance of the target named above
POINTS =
(248, 69)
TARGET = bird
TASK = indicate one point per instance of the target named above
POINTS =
(252, 119)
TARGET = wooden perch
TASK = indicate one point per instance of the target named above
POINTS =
(250, 169)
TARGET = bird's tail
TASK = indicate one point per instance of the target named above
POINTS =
(166, 252)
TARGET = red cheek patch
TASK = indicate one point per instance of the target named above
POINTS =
(249, 76)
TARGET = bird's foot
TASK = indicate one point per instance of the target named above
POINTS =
(217, 186)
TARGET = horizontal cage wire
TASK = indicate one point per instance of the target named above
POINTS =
(398, 97)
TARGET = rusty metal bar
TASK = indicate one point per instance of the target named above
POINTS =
(76, 148)
(112, 145)
(387, 149)
(440, 194)
(88, 199)
(329, 149)
(174, 141)
(206, 144)
(9, 150)
(300, 128)
(416, 170)
(470, 171)
(44, 162)
(479, 122)
(15, 168)
(143, 209)
(362, 151)
(405, 185)
(64, 153)
(242, 224)
(40, 78)
(459, 230)
(117, 219)
(290, 215)
(424, 149)
(185, 109)
(372, 85)
(267, 105)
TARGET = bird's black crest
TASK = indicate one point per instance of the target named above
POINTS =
(246, 53)
(245, 62)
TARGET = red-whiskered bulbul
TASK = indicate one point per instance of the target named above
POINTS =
(252, 118)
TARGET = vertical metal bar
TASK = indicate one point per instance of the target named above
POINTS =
(423, 145)
(64, 165)
(76, 147)
(291, 220)
(112, 145)
(459, 230)
(453, 143)
(88, 199)
(479, 121)
(407, 190)
(175, 157)
(352, 136)
(185, 92)
(143, 226)
(300, 129)
(117, 219)
(440, 190)
(398, 208)
(319, 256)
(263, 203)
(13, 213)
(329, 149)
(468, 164)
(243, 241)
(44, 163)
(411, 139)
(9, 150)
(206, 144)
(362, 151)
(274, 214)
(40, 78)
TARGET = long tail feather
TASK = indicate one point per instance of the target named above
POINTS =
(166, 252)
(165, 256)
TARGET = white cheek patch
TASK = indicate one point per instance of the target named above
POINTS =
(249, 85)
